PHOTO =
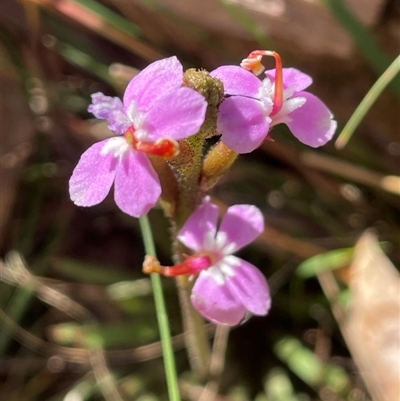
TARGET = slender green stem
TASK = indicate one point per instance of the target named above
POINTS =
(363, 39)
(367, 102)
(168, 353)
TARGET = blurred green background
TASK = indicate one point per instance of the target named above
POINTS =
(79, 285)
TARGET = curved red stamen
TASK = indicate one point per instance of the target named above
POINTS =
(191, 265)
(278, 93)
(163, 147)
(253, 63)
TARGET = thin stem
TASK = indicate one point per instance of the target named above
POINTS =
(196, 337)
(367, 102)
(217, 363)
(363, 39)
(189, 196)
(162, 318)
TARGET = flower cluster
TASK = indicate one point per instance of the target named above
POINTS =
(158, 112)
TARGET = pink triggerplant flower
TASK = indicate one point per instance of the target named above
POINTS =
(227, 288)
(156, 111)
(252, 107)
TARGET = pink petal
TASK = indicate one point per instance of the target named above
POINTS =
(242, 123)
(242, 224)
(312, 123)
(216, 302)
(202, 224)
(177, 115)
(153, 83)
(292, 76)
(137, 188)
(110, 109)
(249, 285)
(93, 177)
(237, 81)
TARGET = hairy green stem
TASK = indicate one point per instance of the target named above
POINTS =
(188, 180)
(188, 166)
(190, 193)
(162, 318)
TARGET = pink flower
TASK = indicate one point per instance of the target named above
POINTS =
(156, 111)
(252, 107)
(228, 288)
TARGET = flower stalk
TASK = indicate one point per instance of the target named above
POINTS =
(188, 166)
(188, 175)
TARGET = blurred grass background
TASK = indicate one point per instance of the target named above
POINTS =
(80, 288)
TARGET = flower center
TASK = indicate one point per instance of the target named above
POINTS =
(253, 63)
(163, 147)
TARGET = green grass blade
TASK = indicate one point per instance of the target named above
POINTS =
(168, 353)
(364, 41)
(308, 367)
(111, 17)
(15, 309)
(247, 23)
(91, 273)
(85, 61)
(367, 103)
(326, 261)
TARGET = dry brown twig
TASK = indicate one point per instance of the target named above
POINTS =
(15, 271)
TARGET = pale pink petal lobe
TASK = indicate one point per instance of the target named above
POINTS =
(93, 177)
(242, 224)
(237, 81)
(242, 123)
(177, 115)
(110, 109)
(292, 77)
(216, 302)
(137, 187)
(201, 224)
(154, 82)
(312, 123)
(249, 285)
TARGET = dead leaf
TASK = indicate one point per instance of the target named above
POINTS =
(373, 319)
